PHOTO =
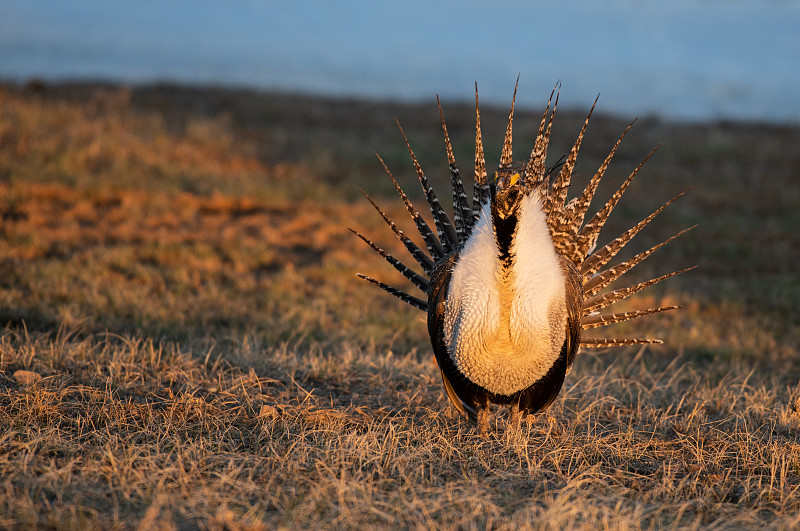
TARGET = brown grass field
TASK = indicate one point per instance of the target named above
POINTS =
(184, 342)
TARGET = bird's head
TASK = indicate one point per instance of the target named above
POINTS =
(506, 192)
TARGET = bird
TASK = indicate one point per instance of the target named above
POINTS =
(512, 280)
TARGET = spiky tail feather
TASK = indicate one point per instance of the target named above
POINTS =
(572, 238)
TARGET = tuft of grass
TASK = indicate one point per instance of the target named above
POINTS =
(185, 344)
(122, 431)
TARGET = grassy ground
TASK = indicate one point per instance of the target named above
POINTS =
(185, 344)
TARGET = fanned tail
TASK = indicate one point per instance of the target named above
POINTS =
(573, 237)
(576, 241)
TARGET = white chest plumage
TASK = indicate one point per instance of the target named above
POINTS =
(504, 326)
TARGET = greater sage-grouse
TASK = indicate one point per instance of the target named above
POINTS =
(513, 279)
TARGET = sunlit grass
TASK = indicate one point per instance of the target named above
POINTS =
(185, 343)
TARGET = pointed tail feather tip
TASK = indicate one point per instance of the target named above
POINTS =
(506, 157)
(598, 320)
(601, 342)
(602, 279)
(598, 302)
(417, 279)
(402, 295)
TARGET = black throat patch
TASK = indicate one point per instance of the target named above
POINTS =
(504, 230)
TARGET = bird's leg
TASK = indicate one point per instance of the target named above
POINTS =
(483, 421)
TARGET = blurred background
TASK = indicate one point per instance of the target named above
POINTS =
(683, 59)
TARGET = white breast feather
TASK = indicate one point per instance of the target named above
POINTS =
(500, 346)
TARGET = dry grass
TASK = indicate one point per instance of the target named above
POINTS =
(185, 344)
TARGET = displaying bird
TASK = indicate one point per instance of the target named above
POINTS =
(514, 278)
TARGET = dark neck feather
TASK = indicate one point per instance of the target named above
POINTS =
(504, 230)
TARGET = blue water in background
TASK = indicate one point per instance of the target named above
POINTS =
(682, 59)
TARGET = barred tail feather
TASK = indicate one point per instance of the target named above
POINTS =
(432, 243)
(587, 237)
(601, 257)
(598, 302)
(601, 342)
(480, 186)
(536, 168)
(561, 185)
(604, 278)
(444, 227)
(421, 258)
(506, 156)
(461, 209)
(576, 211)
(598, 320)
(417, 279)
(402, 295)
